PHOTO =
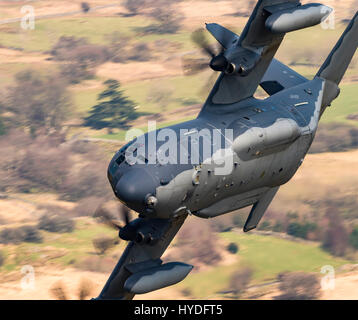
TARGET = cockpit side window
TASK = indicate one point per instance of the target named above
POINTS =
(121, 157)
(132, 153)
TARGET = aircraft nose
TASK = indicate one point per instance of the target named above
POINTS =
(134, 186)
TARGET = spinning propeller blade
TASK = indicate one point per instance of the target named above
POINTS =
(113, 220)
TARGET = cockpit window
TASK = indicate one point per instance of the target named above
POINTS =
(135, 155)
(120, 159)
(122, 152)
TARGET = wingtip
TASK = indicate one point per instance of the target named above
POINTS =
(248, 229)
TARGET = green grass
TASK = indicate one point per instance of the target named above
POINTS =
(94, 28)
(47, 31)
(183, 89)
(346, 104)
(267, 256)
(120, 135)
(315, 42)
(9, 70)
(75, 246)
(84, 100)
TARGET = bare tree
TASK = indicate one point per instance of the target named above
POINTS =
(78, 57)
(134, 6)
(240, 280)
(85, 7)
(84, 289)
(38, 102)
(118, 46)
(59, 291)
(336, 236)
(299, 286)
(204, 251)
(161, 95)
(102, 244)
(168, 20)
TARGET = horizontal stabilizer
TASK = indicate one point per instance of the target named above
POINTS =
(279, 77)
(271, 87)
(259, 209)
(224, 36)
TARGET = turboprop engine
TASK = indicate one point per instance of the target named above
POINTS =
(236, 58)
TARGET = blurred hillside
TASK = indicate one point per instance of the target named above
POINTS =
(53, 164)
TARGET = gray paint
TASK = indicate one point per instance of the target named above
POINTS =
(305, 16)
(135, 253)
(283, 75)
(338, 61)
(157, 278)
(259, 209)
(224, 36)
(271, 138)
(258, 40)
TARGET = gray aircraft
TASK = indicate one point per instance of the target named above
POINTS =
(260, 143)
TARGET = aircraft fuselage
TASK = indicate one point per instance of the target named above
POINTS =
(269, 140)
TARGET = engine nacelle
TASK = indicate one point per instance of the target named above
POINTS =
(308, 15)
(242, 61)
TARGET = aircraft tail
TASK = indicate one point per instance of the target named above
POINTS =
(339, 59)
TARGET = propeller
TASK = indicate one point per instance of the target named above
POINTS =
(128, 231)
(113, 220)
(218, 61)
(200, 39)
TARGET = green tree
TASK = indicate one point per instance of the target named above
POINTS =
(278, 227)
(2, 126)
(265, 226)
(2, 120)
(2, 258)
(353, 238)
(114, 110)
(298, 230)
(232, 248)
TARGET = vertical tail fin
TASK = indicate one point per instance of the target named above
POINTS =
(339, 59)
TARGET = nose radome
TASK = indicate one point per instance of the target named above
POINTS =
(134, 186)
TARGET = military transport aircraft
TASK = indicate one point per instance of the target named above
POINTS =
(255, 145)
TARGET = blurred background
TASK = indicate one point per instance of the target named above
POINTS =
(56, 143)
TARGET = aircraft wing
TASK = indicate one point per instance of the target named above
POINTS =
(248, 60)
(257, 45)
(279, 77)
(140, 269)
